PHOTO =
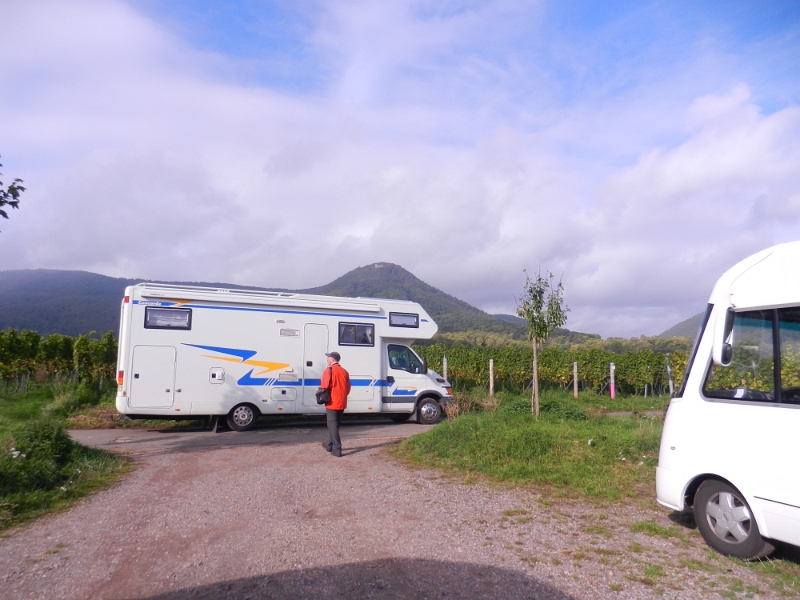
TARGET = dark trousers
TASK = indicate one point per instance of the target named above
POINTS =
(334, 418)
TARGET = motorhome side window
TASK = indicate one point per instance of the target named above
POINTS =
(356, 334)
(167, 318)
(403, 319)
(789, 331)
(402, 358)
(751, 374)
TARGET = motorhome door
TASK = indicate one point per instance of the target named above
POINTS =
(405, 371)
(153, 377)
(315, 345)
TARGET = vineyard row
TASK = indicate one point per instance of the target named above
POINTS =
(26, 353)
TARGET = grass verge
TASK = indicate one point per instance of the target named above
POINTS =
(568, 449)
(41, 468)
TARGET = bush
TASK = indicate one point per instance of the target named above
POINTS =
(547, 406)
(69, 399)
(35, 457)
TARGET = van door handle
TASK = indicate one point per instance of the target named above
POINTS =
(309, 363)
(390, 379)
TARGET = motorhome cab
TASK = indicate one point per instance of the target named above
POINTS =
(732, 435)
(195, 351)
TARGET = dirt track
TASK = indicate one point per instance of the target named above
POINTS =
(269, 514)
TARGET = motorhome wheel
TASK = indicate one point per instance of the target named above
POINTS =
(242, 417)
(726, 522)
(400, 418)
(429, 411)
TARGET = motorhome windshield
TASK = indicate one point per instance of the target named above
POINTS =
(690, 362)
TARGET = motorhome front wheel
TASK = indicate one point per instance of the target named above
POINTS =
(726, 522)
(242, 417)
(429, 411)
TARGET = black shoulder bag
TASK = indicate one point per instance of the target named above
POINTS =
(324, 394)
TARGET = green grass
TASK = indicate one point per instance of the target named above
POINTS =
(41, 468)
(554, 451)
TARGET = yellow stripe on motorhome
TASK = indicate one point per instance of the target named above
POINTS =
(268, 366)
(236, 360)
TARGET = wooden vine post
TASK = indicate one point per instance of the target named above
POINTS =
(575, 379)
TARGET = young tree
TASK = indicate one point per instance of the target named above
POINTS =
(10, 195)
(542, 306)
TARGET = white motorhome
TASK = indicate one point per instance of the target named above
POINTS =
(732, 434)
(189, 351)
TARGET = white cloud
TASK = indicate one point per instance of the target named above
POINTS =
(143, 161)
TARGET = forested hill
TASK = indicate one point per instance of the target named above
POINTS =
(68, 302)
(76, 302)
(387, 280)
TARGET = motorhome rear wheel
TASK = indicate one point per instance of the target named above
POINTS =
(242, 417)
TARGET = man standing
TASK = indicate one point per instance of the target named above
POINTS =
(337, 380)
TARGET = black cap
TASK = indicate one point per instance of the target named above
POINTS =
(334, 355)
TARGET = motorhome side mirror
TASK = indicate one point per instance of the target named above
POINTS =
(727, 353)
(722, 348)
(424, 370)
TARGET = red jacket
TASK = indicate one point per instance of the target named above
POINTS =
(340, 388)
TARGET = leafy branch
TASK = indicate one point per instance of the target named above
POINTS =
(10, 196)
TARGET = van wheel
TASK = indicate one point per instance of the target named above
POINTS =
(400, 418)
(726, 522)
(242, 417)
(429, 412)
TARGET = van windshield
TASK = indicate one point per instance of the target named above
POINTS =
(693, 355)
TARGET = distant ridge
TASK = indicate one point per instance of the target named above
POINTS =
(686, 329)
(77, 302)
(387, 280)
(67, 302)
(510, 318)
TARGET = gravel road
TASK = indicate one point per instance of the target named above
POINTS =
(270, 514)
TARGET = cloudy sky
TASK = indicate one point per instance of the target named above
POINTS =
(637, 148)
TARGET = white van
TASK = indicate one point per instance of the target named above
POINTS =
(732, 435)
(189, 351)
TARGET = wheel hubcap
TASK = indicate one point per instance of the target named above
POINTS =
(428, 411)
(243, 416)
(729, 518)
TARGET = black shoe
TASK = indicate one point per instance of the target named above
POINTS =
(336, 452)
(326, 446)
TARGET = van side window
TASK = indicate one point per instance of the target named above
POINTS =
(356, 334)
(402, 358)
(751, 374)
(167, 318)
(789, 326)
(403, 319)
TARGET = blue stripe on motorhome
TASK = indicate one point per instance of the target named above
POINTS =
(246, 379)
(243, 354)
(404, 393)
